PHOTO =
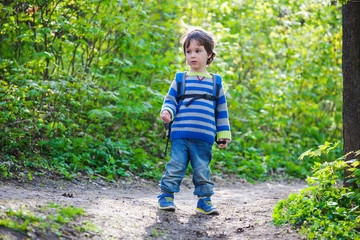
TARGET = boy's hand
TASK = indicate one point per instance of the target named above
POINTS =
(166, 116)
(224, 145)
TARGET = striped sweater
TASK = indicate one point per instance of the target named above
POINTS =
(197, 120)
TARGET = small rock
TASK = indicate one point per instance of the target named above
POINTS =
(70, 195)
(240, 230)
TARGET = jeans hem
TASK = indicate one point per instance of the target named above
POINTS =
(203, 193)
(168, 190)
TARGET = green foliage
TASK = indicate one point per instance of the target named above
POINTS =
(48, 219)
(82, 83)
(281, 92)
(324, 210)
(104, 157)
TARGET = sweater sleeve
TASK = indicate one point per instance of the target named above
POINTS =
(170, 103)
(223, 125)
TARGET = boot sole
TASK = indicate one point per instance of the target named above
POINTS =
(170, 208)
(213, 212)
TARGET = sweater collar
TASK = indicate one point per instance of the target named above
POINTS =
(207, 75)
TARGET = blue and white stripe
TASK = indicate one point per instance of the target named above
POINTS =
(197, 121)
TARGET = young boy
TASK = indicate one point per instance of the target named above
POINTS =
(198, 116)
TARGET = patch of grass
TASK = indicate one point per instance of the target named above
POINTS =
(47, 221)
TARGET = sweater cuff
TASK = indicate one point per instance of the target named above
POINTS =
(224, 135)
(170, 110)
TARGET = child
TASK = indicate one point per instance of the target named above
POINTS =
(194, 126)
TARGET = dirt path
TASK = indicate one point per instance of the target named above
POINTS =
(129, 210)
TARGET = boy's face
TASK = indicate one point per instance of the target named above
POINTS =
(196, 56)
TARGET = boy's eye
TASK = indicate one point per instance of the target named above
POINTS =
(198, 51)
(188, 51)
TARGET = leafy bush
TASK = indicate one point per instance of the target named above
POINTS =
(326, 209)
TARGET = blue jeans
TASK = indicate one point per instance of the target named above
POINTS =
(183, 151)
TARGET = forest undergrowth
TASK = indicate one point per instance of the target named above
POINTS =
(82, 83)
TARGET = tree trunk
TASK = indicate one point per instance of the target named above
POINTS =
(351, 80)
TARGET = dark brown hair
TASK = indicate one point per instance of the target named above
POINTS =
(203, 38)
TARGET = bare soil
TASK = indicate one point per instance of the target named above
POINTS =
(128, 209)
